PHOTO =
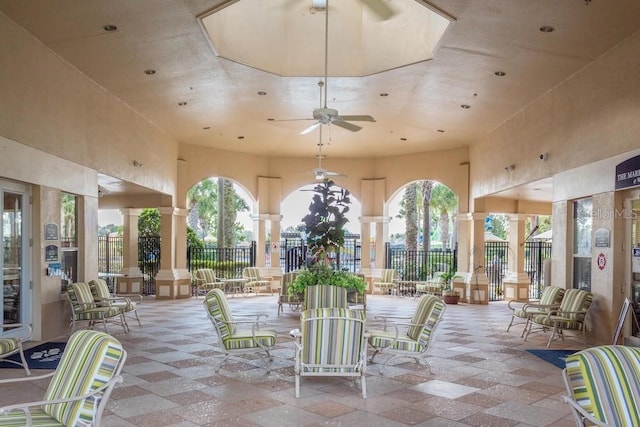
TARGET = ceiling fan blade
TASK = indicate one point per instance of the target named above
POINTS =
(357, 118)
(346, 125)
(380, 8)
(289, 120)
(310, 128)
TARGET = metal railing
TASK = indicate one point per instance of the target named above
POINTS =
(419, 264)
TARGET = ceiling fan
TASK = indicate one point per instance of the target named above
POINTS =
(330, 116)
(320, 173)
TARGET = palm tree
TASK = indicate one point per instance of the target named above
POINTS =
(426, 187)
(444, 202)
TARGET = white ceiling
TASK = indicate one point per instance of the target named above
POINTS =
(422, 111)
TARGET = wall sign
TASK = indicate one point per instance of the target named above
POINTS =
(50, 253)
(628, 173)
(602, 238)
(51, 231)
(602, 261)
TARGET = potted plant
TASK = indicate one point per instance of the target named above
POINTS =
(449, 295)
(324, 226)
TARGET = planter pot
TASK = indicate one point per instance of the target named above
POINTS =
(451, 299)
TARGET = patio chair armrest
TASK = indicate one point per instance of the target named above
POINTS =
(22, 337)
(515, 301)
(540, 306)
(130, 296)
(566, 314)
(24, 407)
(392, 343)
(394, 318)
(584, 414)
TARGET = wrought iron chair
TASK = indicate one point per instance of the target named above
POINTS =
(325, 296)
(410, 338)
(80, 386)
(571, 315)
(331, 342)
(101, 294)
(525, 310)
(387, 282)
(85, 309)
(11, 339)
(231, 338)
(603, 385)
(255, 281)
(206, 280)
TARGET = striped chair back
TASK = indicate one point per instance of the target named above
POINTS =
(605, 382)
(426, 317)
(551, 295)
(89, 361)
(80, 296)
(575, 300)
(325, 296)
(219, 312)
(251, 273)
(99, 289)
(206, 275)
(388, 275)
(333, 339)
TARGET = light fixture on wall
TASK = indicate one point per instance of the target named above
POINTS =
(509, 168)
(137, 164)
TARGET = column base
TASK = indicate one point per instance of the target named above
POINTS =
(516, 287)
(130, 285)
(478, 289)
(172, 284)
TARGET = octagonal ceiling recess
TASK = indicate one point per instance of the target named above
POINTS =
(286, 37)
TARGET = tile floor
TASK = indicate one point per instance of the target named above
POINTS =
(481, 375)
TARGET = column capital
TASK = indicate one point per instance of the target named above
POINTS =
(130, 211)
(471, 216)
(374, 219)
(518, 216)
(266, 217)
(169, 210)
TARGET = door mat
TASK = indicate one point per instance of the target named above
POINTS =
(555, 357)
(43, 356)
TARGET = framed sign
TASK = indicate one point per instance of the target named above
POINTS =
(602, 238)
(50, 253)
(51, 231)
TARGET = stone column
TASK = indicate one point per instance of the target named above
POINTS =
(171, 283)
(133, 279)
(478, 284)
(516, 283)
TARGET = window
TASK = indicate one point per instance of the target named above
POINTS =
(582, 225)
(68, 238)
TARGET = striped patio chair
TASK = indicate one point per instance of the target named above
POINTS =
(233, 339)
(331, 342)
(12, 336)
(603, 385)
(80, 386)
(293, 300)
(206, 280)
(255, 281)
(571, 315)
(325, 296)
(410, 338)
(387, 282)
(85, 309)
(101, 295)
(525, 310)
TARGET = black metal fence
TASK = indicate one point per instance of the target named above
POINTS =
(419, 265)
(534, 254)
(227, 262)
(293, 254)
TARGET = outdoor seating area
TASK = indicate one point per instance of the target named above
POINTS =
(481, 374)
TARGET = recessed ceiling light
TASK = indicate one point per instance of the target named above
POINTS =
(500, 73)
(150, 72)
(241, 137)
(403, 139)
(384, 94)
(441, 130)
(465, 106)
(109, 28)
(271, 119)
(182, 104)
(547, 29)
(262, 93)
(206, 127)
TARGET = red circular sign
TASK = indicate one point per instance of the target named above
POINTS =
(602, 261)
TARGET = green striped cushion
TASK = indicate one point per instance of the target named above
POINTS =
(89, 361)
(218, 308)
(429, 310)
(383, 339)
(38, 417)
(251, 273)
(99, 289)
(576, 300)
(244, 339)
(80, 292)
(551, 295)
(206, 275)
(8, 345)
(332, 340)
(388, 275)
(605, 381)
(97, 313)
(325, 296)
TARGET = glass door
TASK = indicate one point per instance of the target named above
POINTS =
(13, 253)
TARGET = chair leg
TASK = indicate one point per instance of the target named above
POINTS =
(24, 361)
(553, 334)
(363, 385)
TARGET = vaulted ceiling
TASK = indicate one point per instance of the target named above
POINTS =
(495, 57)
